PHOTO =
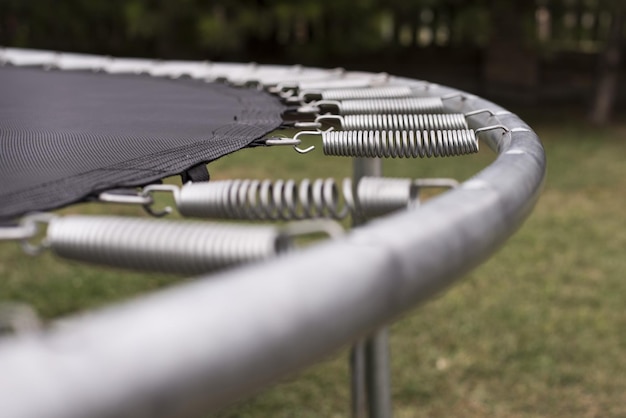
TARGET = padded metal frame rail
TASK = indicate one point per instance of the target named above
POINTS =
(201, 345)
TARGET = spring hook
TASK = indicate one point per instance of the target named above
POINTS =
(28, 228)
(492, 127)
(489, 111)
(125, 197)
(461, 96)
(275, 141)
(148, 193)
(25, 230)
(365, 106)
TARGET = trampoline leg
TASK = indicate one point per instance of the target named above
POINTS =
(358, 380)
(369, 359)
(378, 378)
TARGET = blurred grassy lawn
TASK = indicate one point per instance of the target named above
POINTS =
(539, 330)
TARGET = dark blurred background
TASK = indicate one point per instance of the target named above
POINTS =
(535, 52)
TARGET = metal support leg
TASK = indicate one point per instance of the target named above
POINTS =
(378, 379)
(369, 359)
(358, 380)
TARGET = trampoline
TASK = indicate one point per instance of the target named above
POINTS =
(82, 127)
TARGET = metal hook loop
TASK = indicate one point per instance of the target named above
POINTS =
(312, 147)
(135, 198)
(338, 118)
(307, 125)
(336, 104)
(491, 128)
(462, 96)
(21, 231)
(491, 112)
(34, 221)
(148, 192)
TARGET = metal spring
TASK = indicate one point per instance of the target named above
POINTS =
(289, 84)
(164, 246)
(398, 122)
(397, 105)
(288, 200)
(378, 196)
(345, 82)
(400, 143)
(359, 93)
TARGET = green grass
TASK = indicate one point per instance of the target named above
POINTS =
(537, 331)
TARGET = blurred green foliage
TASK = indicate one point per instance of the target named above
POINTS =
(221, 29)
(255, 29)
(188, 28)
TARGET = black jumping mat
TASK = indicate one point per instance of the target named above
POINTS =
(67, 135)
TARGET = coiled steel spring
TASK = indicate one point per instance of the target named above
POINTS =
(163, 246)
(418, 122)
(262, 199)
(288, 200)
(344, 82)
(388, 106)
(393, 144)
(358, 93)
